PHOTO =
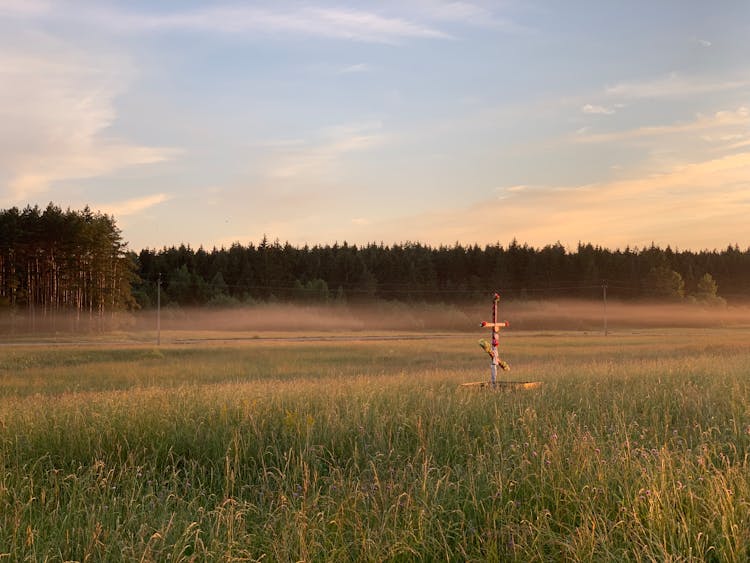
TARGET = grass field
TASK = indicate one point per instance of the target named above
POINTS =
(634, 448)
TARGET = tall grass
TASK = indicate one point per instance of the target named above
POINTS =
(635, 448)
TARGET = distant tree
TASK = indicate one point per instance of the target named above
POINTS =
(664, 283)
(218, 287)
(315, 290)
(186, 288)
(706, 291)
(707, 286)
(367, 285)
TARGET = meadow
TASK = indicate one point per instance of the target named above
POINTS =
(635, 448)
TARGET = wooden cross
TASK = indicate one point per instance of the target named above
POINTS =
(491, 348)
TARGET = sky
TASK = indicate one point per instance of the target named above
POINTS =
(619, 123)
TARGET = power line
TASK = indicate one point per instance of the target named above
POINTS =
(408, 288)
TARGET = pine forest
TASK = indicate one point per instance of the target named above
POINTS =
(76, 262)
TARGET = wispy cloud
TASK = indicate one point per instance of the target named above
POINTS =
(506, 192)
(319, 158)
(476, 14)
(738, 145)
(135, 205)
(338, 69)
(355, 68)
(279, 143)
(467, 12)
(721, 120)
(24, 8)
(597, 110)
(673, 86)
(54, 109)
(390, 22)
(251, 21)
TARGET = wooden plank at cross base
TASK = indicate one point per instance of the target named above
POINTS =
(503, 385)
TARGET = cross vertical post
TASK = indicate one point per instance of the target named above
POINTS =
(495, 340)
(158, 311)
(604, 290)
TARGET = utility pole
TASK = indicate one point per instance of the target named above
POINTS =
(604, 293)
(158, 311)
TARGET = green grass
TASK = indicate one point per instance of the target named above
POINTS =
(635, 448)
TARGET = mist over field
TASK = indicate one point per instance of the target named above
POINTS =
(560, 315)
(548, 315)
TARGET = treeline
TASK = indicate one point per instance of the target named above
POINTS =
(56, 261)
(416, 272)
